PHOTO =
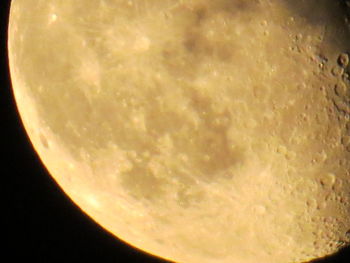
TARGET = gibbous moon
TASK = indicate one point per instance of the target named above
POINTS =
(200, 131)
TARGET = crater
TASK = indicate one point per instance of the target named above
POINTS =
(44, 141)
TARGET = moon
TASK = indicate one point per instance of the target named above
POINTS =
(199, 131)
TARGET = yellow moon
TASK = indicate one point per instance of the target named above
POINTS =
(199, 131)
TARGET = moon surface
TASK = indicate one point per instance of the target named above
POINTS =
(199, 131)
